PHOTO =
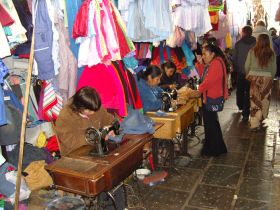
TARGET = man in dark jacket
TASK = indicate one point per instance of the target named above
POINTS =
(276, 48)
(241, 50)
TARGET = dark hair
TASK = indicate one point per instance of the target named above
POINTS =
(86, 98)
(212, 48)
(152, 70)
(247, 30)
(197, 51)
(262, 50)
(211, 41)
(219, 53)
(168, 65)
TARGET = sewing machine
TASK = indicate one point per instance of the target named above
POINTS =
(167, 98)
(96, 137)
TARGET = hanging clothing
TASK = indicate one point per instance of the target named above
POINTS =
(67, 77)
(3, 71)
(4, 46)
(129, 85)
(43, 42)
(192, 16)
(5, 18)
(15, 32)
(107, 41)
(3, 117)
(25, 19)
(51, 102)
(103, 79)
(146, 23)
(143, 50)
(223, 27)
(163, 54)
(80, 28)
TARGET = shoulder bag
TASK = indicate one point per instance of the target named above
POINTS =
(216, 104)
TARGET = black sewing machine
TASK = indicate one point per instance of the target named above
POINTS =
(192, 83)
(96, 137)
(167, 98)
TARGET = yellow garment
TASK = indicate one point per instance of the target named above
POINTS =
(41, 140)
(228, 41)
(37, 176)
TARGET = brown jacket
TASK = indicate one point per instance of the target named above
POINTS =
(70, 127)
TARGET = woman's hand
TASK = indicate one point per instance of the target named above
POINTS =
(192, 93)
(173, 104)
(172, 86)
(111, 133)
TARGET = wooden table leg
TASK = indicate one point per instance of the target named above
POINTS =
(171, 154)
(155, 152)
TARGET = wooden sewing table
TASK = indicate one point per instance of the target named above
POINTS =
(87, 175)
(175, 123)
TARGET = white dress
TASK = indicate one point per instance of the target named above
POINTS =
(149, 21)
(193, 16)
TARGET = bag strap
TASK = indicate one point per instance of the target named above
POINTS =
(223, 84)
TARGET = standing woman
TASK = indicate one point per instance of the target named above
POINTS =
(214, 85)
(260, 69)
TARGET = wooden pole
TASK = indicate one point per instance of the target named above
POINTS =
(23, 122)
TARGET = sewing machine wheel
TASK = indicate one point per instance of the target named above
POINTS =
(92, 136)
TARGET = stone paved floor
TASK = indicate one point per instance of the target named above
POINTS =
(248, 177)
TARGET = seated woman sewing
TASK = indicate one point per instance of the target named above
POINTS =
(150, 92)
(83, 110)
(170, 78)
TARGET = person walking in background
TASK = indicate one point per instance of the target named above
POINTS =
(260, 68)
(273, 33)
(260, 28)
(276, 48)
(240, 53)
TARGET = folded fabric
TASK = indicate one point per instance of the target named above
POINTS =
(37, 177)
(30, 154)
(137, 123)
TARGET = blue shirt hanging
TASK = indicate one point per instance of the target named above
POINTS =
(3, 117)
(3, 71)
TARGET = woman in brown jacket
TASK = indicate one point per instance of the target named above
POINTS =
(83, 110)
